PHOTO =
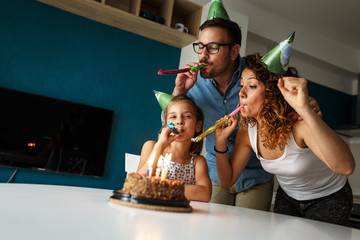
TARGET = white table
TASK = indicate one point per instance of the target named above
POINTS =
(49, 212)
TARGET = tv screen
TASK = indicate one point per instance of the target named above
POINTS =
(47, 134)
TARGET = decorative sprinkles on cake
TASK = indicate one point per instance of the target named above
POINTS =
(152, 187)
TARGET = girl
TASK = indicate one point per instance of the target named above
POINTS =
(186, 163)
(309, 159)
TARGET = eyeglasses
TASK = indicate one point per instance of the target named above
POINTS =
(211, 48)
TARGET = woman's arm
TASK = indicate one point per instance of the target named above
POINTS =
(202, 190)
(229, 170)
(317, 135)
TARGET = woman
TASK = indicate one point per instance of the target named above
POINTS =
(309, 159)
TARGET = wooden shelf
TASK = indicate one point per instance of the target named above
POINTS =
(125, 14)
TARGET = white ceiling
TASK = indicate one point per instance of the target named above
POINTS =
(337, 20)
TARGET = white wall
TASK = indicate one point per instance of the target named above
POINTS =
(309, 67)
(317, 57)
(274, 27)
(354, 145)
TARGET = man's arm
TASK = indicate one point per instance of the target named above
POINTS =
(185, 81)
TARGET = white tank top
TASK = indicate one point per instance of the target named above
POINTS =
(300, 173)
(184, 172)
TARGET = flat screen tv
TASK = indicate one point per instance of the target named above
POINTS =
(47, 134)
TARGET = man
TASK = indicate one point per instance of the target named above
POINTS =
(215, 90)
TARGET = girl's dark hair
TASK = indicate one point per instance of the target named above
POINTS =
(231, 27)
(276, 115)
(195, 147)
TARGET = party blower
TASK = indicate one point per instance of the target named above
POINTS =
(176, 71)
(171, 126)
(216, 125)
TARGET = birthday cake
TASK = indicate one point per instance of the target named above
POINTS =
(139, 185)
(152, 193)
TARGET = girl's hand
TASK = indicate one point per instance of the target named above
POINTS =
(295, 92)
(223, 132)
(166, 136)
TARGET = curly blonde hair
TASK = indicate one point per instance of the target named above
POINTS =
(276, 117)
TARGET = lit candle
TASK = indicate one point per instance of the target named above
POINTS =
(166, 163)
(157, 173)
(151, 161)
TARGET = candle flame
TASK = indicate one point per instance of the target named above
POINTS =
(166, 164)
(167, 159)
(161, 159)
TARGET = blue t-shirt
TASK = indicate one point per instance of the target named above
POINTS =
(216, 106)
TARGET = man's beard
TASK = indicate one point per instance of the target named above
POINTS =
(203, 73)
(212, 73)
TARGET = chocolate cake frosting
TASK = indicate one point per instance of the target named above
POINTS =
(142, 186)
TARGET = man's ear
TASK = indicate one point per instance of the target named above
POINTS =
(235, 50)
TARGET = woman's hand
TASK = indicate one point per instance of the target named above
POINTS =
(223, 132)
(315, 107)
(295, 92)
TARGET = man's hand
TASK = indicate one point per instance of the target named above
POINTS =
(185, 81)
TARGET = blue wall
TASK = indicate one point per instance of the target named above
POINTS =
(338, 108)
(51, 52)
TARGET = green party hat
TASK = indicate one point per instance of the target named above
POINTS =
(163, 99)
(217, 10)
(277, 60)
